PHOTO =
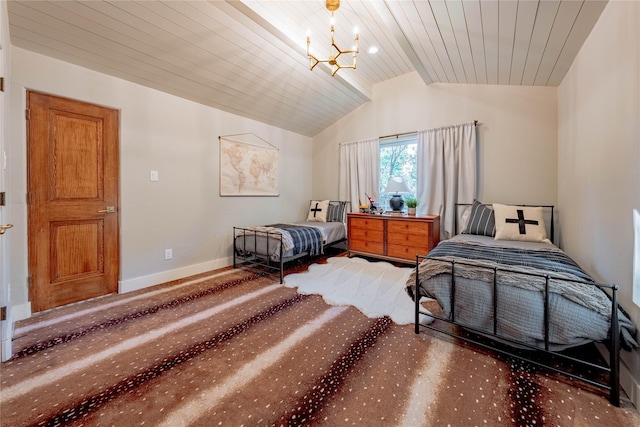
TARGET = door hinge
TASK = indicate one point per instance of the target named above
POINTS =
(29, 282)
(3, 313)
(1, 84)
(27, 114)
(2, 202)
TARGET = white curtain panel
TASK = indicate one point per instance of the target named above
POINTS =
(359, 171)
(446, 172)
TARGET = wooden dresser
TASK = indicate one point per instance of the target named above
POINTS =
(392, 237)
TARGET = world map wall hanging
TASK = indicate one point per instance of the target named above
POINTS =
(247, 168)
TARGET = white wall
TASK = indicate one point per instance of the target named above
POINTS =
(176, 137)
(5, 218)
(517, 133)
(599, 156)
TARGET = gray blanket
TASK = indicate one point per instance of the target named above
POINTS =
(579, 311)
(305, 239)
(266, 240)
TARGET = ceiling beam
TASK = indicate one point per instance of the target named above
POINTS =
(238, 10)
(385, 13)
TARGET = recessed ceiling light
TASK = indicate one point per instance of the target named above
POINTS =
(373, 49)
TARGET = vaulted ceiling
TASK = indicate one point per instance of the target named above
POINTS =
(249, 57)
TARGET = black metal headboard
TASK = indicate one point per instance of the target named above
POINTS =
(549, 207)
(346, 210)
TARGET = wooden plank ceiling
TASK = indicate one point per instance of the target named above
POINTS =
(249, 57)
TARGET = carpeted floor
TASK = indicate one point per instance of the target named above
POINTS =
(235, 348)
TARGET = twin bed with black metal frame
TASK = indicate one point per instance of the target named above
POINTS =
(269, 247)
(528, 295)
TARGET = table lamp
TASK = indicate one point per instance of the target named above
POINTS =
(396, 185)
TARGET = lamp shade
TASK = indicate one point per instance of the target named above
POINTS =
(396, 185)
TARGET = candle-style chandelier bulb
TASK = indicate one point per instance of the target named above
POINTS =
(332, 6)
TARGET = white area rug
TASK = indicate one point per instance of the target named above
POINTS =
(377, 289)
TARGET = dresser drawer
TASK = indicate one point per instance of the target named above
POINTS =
(405, 252)
(368, 246)
(420, 240)
(412, 227)
(367, 223)
(366, 235)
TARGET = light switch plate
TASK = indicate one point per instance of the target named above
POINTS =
(153, 176)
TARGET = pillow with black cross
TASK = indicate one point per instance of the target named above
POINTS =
(520, 223)
(318, 210)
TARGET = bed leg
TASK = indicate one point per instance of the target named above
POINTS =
(234, 247)
(614, 351)
(281, 262)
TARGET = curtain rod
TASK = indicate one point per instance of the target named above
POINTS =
(398, 134)
(475, 123)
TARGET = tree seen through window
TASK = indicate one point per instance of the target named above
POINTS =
(398, 157)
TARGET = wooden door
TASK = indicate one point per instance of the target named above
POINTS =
(73, 200)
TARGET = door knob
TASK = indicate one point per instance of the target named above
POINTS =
(108, 209)
(4, 228)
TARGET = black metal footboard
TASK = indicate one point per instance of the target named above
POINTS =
(613, 370)
(256, 258)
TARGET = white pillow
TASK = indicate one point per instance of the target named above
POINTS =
(464, 219)
(318, 210)
(520, 223)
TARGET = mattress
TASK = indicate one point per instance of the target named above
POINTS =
(579, 312)
(266, 241)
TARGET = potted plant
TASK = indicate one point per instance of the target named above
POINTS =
(411, 203)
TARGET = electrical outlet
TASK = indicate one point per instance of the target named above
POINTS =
(153, 176)
(168, 253)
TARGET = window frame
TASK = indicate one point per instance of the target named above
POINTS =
(406, 139)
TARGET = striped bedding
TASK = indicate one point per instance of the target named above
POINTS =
(305, 239)
(295, 238)
(548, 260)
(580, 312)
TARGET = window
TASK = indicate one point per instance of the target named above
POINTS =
(398, 157)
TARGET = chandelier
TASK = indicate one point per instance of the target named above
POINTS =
(332, 6)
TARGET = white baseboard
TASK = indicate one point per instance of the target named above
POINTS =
(6, 349)
(137, 283)
(628, 383)
(20, 312)
(634, 396)
(6, 346)
(14, 313)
